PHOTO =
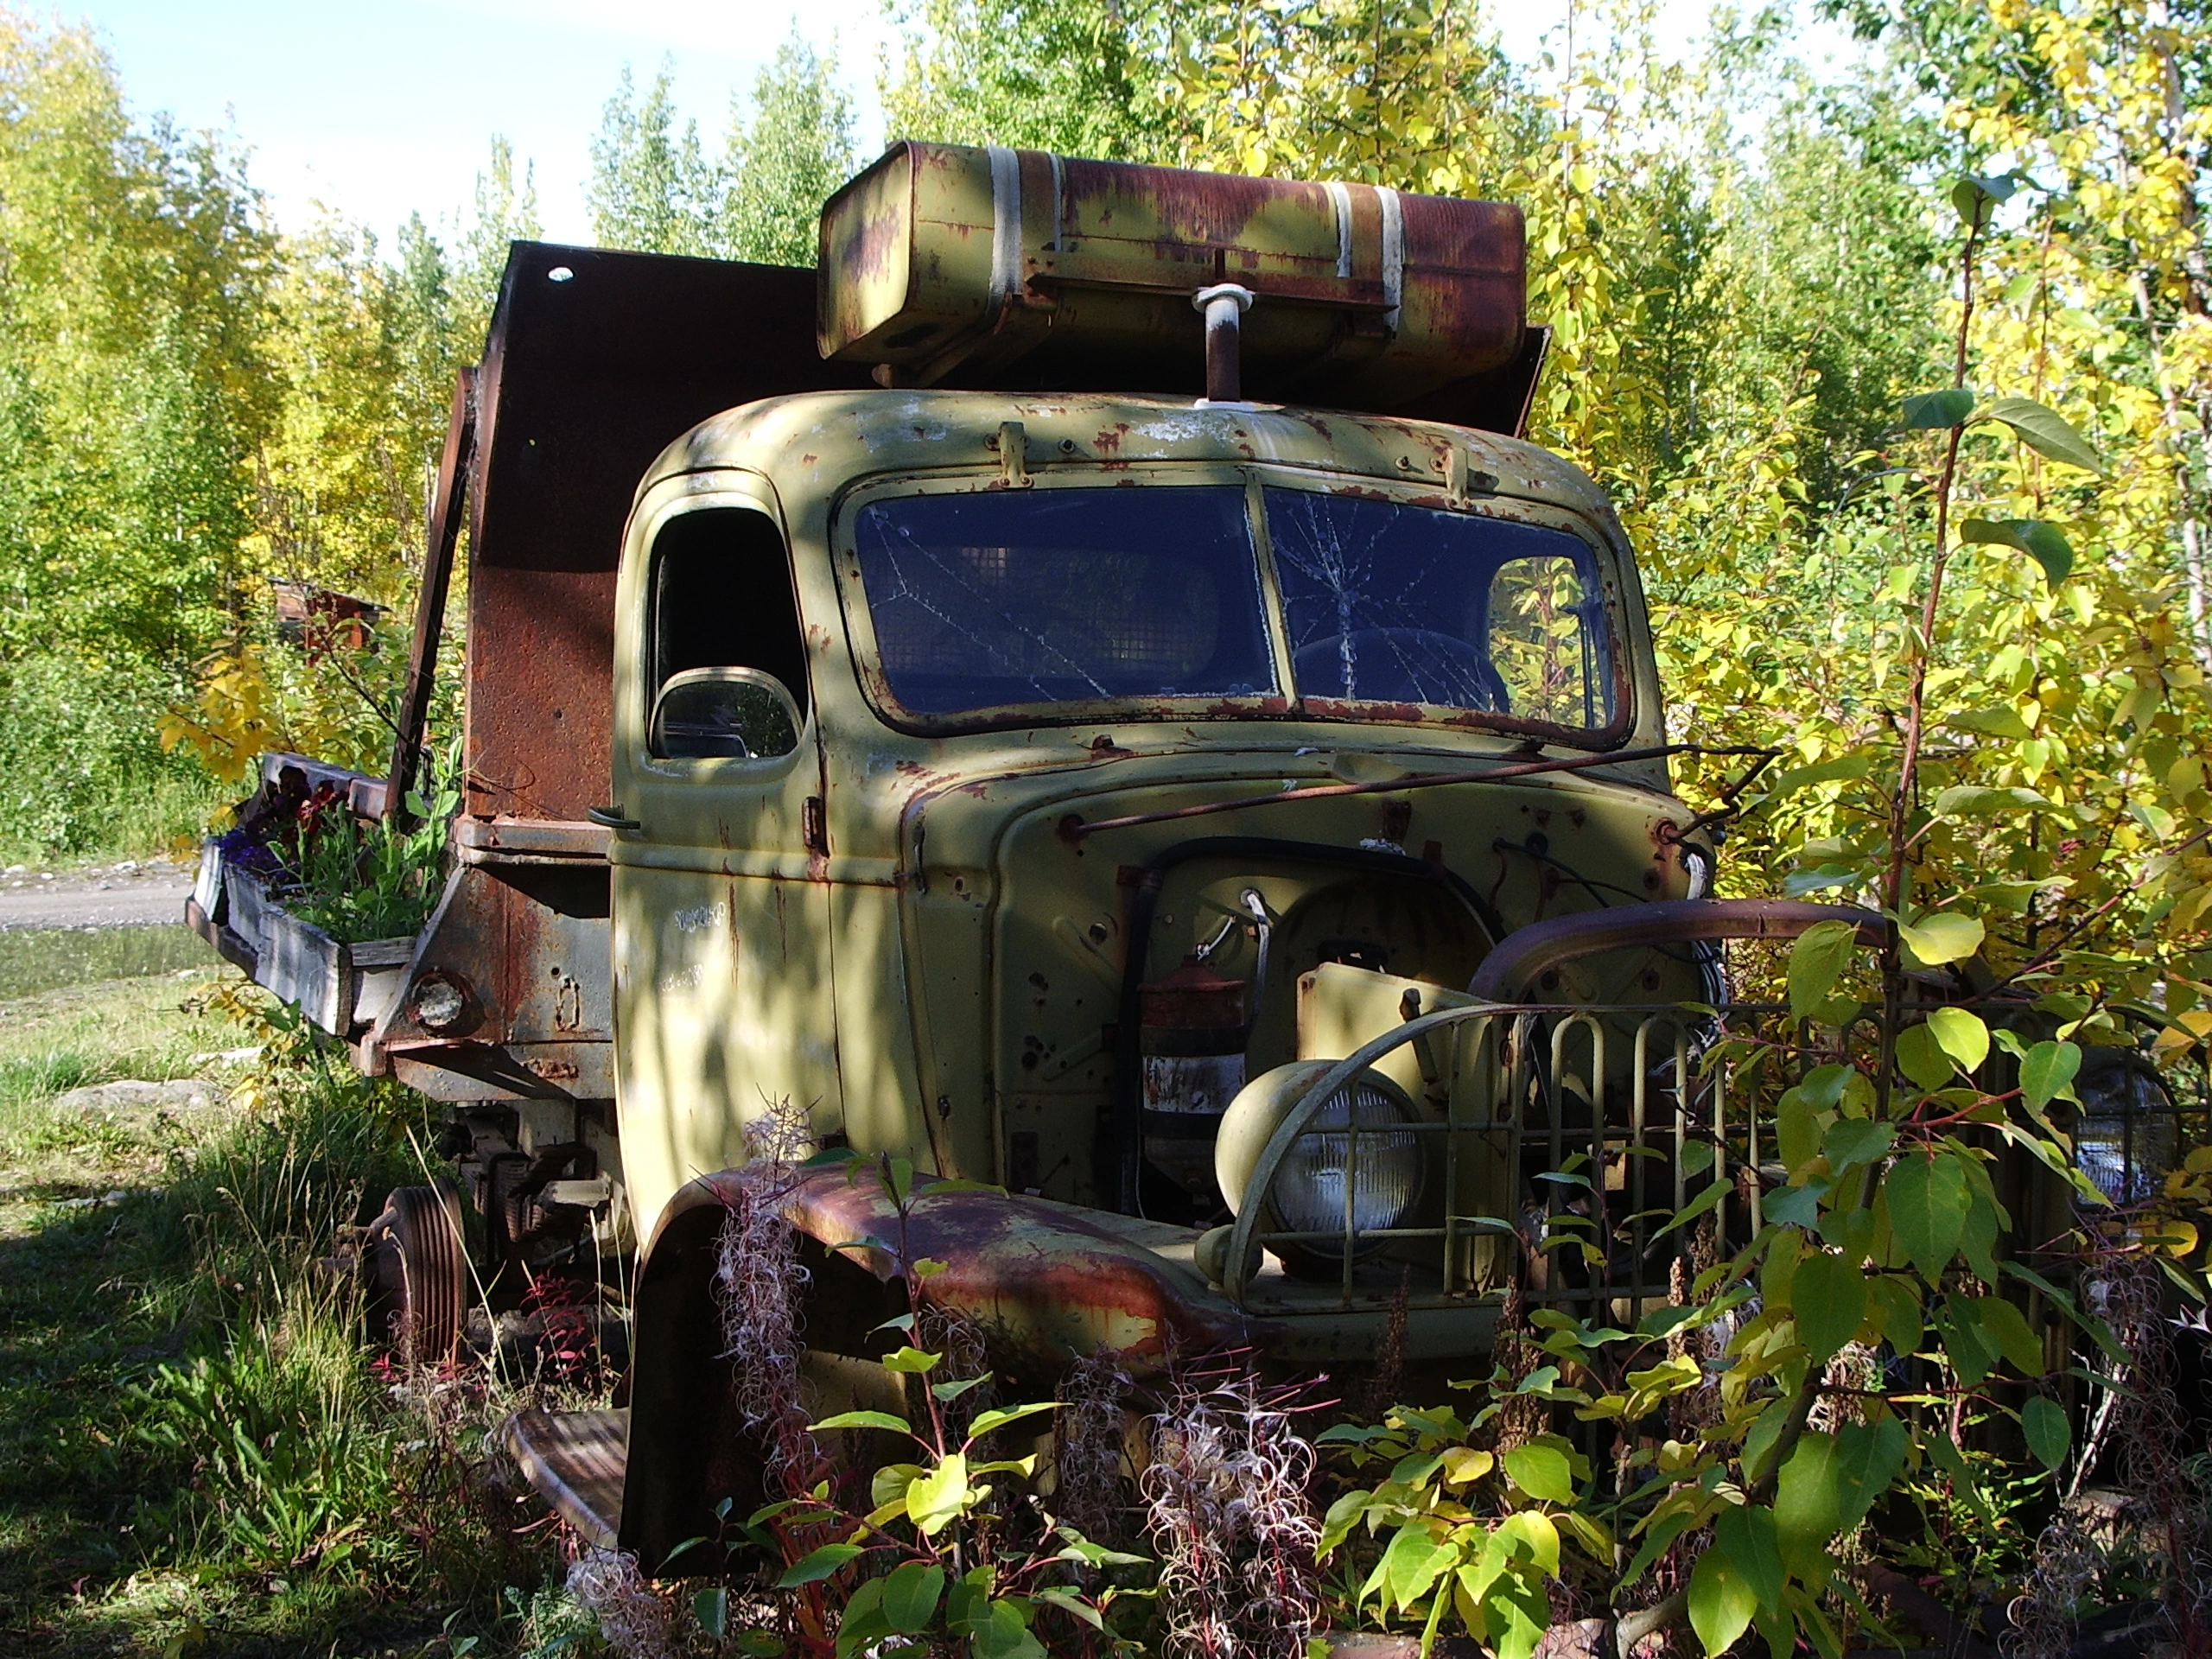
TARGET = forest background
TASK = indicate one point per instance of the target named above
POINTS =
(1745, 264)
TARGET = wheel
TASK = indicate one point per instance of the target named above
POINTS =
(419, 1272)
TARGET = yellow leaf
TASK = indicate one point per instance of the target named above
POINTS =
(1463, 1462)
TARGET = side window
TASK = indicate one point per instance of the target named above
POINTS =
(720, 599)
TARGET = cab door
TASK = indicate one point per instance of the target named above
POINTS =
(723, 986)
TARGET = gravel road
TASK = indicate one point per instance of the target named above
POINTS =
(129, 894)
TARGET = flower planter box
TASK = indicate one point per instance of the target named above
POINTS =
(340, 985)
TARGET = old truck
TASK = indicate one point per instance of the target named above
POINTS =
(1090, 692)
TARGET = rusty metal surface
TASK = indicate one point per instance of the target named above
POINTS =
(490, 841)
(1046, 1286)
(527, 945)
(1528, 952)
(442, 536)
(574, 1460)
(948, 265)
(586, 378)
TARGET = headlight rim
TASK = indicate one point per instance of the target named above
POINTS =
(1260, 1115)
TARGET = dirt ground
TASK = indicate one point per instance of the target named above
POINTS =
(136, 893)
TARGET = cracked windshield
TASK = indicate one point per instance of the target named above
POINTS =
(1391, 603)
(1064, 596)
(983, 601)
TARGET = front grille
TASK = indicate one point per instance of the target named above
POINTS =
(1563, 1140)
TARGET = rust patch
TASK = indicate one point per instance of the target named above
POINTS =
(1045, 1285)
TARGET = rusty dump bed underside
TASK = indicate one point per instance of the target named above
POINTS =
(586, 378)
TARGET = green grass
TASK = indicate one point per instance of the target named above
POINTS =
(41, 959)
(197, 1454)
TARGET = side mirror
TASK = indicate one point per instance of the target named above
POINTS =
(724, 714)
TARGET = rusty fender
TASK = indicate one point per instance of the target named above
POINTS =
(1046, 1286)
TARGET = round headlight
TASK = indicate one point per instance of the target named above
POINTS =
(1360, 1137)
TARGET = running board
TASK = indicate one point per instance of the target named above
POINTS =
(574, 1460)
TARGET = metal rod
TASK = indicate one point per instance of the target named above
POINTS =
(1223, 305)
(1076, 830)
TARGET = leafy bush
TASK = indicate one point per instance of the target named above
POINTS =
(80, 769)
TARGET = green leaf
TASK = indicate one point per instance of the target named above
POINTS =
(2044, 543)
(2049, 1434)
(1928, 1209)
(2003, 723)
(862, 1623)
(1797, 1130)
(1976, 196)
(2007, 1329)
(1004, 1635)
(1961, 1035)
(821, 1564)
(1745, 1534)
(1946, 1456)
(1533, 1533)
(1868, 1457)
(1843, 767)
(1697, 1206)
(1541, 1471)
(888, 1485)
(1897, 1306)
(1940, 937)
(2047, 1073)
(1972, 801)
(1721, 1602)
(986, 1421)
(1921, 1057)
(2044, 430)
(912, 1360)
(909, 1596)
(866, 1420)
(1969, 1348)
(1808, 1506)
(1857, 1141)
(1827, 1295)
(711, 1609)
(1412, 1564)
(933, 1500)
(1816, 962)
(1930, 411)
(1069, 1602)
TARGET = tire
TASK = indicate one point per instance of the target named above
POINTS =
(419, 1272)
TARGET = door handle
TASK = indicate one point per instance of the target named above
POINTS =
(611, 818)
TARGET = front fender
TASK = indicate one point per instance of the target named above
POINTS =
(1044, 1284)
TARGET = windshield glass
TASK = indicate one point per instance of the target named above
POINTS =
(987, 600)
(1387, 602)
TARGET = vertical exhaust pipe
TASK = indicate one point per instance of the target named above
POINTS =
(1224, 305)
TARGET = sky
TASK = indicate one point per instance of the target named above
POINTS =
(383, 109)
(380, 110)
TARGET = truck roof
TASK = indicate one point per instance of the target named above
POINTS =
(824, 440)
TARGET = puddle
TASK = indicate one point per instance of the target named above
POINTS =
(42, 959)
